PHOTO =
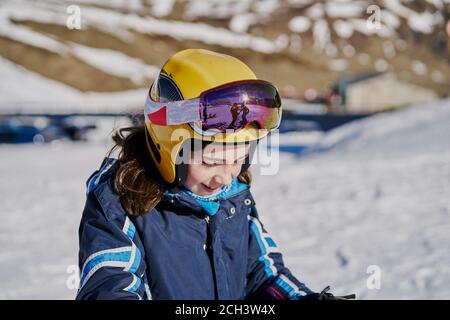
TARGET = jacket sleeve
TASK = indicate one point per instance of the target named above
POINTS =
(110, 262)
(267, 277)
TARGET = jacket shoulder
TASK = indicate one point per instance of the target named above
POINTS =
(107, 169)
(100, 189)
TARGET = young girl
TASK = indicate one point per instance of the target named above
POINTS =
(173, 217)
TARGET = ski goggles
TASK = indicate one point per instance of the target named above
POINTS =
(231, 106)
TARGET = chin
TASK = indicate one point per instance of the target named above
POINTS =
(205, 190)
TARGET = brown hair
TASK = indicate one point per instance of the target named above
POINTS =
(137, 181)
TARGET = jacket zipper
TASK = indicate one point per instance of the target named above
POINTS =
(209, 252)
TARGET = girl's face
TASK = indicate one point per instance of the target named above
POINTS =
(214, 167)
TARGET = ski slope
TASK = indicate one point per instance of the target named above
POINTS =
(374, 192)
(29, 92)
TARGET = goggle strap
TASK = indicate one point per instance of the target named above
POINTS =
(173, 112)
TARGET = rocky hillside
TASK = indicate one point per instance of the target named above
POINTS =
(297, 44)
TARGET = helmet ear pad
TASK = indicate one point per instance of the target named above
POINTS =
(249, 158)
(182, 172)
(183, 159)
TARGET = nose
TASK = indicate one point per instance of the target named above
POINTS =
(224, 175)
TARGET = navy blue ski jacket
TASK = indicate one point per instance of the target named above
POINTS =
(184, 248)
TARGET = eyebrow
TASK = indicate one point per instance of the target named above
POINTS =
(222, 160)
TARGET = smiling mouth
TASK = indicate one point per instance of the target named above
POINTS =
(209, 189)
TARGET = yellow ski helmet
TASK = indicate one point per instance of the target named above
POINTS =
(186, 75)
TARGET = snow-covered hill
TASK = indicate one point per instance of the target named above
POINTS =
(30, 92)
(375, 193)
(413, 130)
(309, 44)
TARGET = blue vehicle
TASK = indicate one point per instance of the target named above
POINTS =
(41, 129)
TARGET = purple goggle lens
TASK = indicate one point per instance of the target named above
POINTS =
(235, 105)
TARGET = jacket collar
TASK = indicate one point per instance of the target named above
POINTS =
(210, 204)
(181, 198)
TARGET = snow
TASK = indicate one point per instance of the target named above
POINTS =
(109, 61)
(266, 7)
(419, 68)
(39, 232)
(338, 64)
(55, 13)
(115, 63)
(216, 8)
(25, 35)
(348, 50)
(421, 22)
(381, 65)
(180, 30)
(299, 24)
(321, 35)
(282, 42)
(123, 19)
(417, 129)
(399, 9)
(27, 91)
(241, 22)
(193, 31)
(343, 29)
(39, 12)
(361, 25)
(315, 12)
(373, 192)
(295, 43)
(25, 85)
(389, 50)
(118, 23)
(331, 50)
(162, 8)
(345, 9)
(115, 4)
(390, 19)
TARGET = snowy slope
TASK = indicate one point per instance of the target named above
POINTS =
(413, 130)
(375, 194)
(30, 92)
(43, 191)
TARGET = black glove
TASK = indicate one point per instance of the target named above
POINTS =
(325, 295)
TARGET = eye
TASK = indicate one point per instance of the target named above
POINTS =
(239, 160)
(218, 163)
(208, 165)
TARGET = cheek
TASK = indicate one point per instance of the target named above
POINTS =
(237, 169)
(197, 174)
